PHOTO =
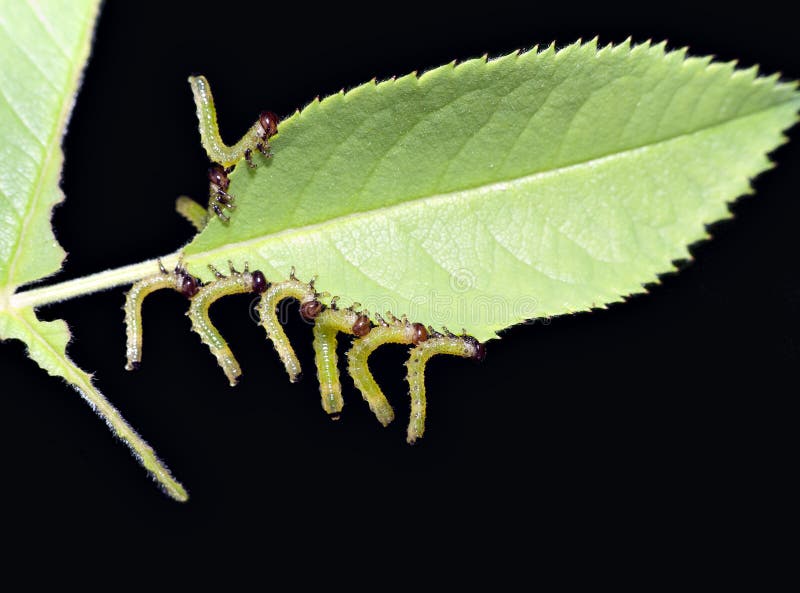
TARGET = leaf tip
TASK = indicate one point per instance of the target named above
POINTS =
(626, 44)
(659, 48)
(679, 53)
(568, 50)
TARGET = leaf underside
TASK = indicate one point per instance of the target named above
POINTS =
(483, 194)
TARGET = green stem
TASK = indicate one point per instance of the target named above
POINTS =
(140, 449)
(87, 284)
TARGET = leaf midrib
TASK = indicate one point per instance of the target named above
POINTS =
(477, 189)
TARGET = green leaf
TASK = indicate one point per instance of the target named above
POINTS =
(43, 48)
(480, 195)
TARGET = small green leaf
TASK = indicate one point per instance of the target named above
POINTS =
(43, 49)
(481, 195)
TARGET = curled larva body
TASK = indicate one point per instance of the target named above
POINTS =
(178, 280)
(291, 289)
(398, 332)
(236, 283)
(328, 322)
(256, 138)
(193, 212)
(327, 325)
(463, 346)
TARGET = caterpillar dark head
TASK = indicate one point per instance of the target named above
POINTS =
(260, 283)
(188, 284)
(309, 310)
(218, 177)
(269, 123)
(362, 326)
(419, 333)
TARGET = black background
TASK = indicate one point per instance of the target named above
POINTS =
(660, 416)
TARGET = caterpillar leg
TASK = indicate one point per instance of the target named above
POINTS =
(310, 307)
(248, 156)
(327, 326)
(464, 346)
(396, 332)
(218, 196)
(179, 279)
(236, 283)
(256, 138)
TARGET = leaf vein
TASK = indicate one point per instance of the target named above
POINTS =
(15, 112)
(27, 57)
(37, 13)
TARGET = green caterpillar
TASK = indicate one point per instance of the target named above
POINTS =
(225, 157)
(329, 321)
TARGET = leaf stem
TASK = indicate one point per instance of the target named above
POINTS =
(43, 348)
(140, 449)
(87, 284)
